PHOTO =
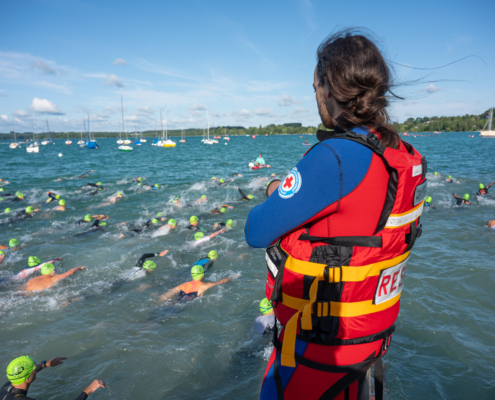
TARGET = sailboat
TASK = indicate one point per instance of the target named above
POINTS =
(489, 132)
(91, 143)
(120, 141)
(208, 140)
(124, 146)
(47, 141)
(68, 142)
(141, 139)
(33, 147)
(14, 145)
(225, 137)
(167, 142)
(183, 140)
(81, 142)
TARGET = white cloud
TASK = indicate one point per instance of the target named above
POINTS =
(287, 101)
(431, 88)
(199, 107)
(44, 106)
(113, 80)
(21, 113)
(241, 114)
(43, 67)
(4, 117)
(263, 112)
(119, 61)
(147, 110)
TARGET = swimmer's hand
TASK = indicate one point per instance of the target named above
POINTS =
(163, 253)
(55, 361)
(95, 385)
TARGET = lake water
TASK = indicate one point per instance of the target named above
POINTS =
(443, 348)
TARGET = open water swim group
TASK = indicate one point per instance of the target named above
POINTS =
(338, 232)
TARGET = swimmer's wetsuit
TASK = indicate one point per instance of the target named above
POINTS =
(189, 290)
(22, 215)
(92, 193)
(7, 392)
(195, 228)
(83, 175)
(206, 263)
(94, 226)
(89, 185)
(138, 267)
(483, 192)
(146, 225)
(244, 197)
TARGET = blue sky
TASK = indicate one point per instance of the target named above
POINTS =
(248, 63)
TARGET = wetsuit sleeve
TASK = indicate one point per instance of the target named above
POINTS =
(140, 262)
(329, 172)
(82, 396)
(95, 223)
(244, 197)
(207, 265)
(84, 175)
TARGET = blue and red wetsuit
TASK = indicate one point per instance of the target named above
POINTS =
(339, 189)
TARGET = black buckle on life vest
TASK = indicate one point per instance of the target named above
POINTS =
(424, 167)
(373, 140)
(326, 274)
(419, 231)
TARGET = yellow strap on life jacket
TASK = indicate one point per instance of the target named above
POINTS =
(332, 308)
(398, 220)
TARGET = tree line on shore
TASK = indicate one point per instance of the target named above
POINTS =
(466, 123)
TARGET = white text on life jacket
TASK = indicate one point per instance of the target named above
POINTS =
(391, 282)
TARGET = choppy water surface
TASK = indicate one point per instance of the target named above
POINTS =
(443, 348)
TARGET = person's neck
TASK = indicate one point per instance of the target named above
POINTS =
(22, 386)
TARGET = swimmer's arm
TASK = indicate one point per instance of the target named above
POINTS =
(207, 286)
(490, 185)
(217, 233)
(171, 293)
(242, 194)
(226, 206)
(100, 216)
(455, 196)
(3, 247)
(207, 265)
(70, 272)
(140, 262)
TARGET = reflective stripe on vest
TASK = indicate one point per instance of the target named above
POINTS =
(398, 220)
(332, 308)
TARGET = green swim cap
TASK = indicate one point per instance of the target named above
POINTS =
(197, 272)
(214, 178)
(203, 197)
(465, 197)
(87, 218)
(273, 174)
(198, 235)
(450, 176)
(7, 210)
(172, 221)
(268, 183)
(47, 269)
(160, 214)
(2, 253)
(61, 203)
(140, 179)
(193, 219)
(250, 196)
(149, 265)
(57, 197)
(102, 224)
(212, 254)
(222, 180)
(482, 186)
(1, 198)
(229, 223)
(436, 173)
(265, 306)
(17, 193)
(33, 261)
(18, 370)
(223, 209)
(20, 195)
(175, 200)
(428, 199)
(98, 183)
(157, 185)
(1, 189)
(29, 210)
(154, 221)
(119, 193)
(13, 243)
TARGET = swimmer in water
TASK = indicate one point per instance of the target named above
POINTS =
(22, 372)
(194, 288)
(266, 322)
(3, 195)
(34, 264)
(244, 197)
(60, 207)
(13, 245)
(194, 221)
(207, 262)
(222, 209)
(449, 179)
(428, 203)
(483, 190)
(19, 197)
(112, 200)
(260, 161)
(176, 201)
(84, 175)
(52, 196)
(229, 224)
(171, 224)
(491, 224)
(200, 200)
(200, 237)
(27, 213)
(7, 210)
(92, 185)
(436, 174)
(3, 182)
(461, 200)
(142, 268)
(96, 225)
(89, 218)
(149, 224)
(2, 256)
(48, 278)
(139, 179)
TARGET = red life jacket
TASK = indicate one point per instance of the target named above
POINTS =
(356, 300)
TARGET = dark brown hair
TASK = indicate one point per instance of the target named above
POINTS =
(360, 81)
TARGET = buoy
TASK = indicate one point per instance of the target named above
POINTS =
(60, 154)
(225, 144)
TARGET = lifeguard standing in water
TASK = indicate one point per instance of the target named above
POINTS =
(336, 264)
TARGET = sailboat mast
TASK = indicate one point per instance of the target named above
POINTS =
(122, 108)
(491, 118)
(161, 121)
(208, 124)
(166, 130)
